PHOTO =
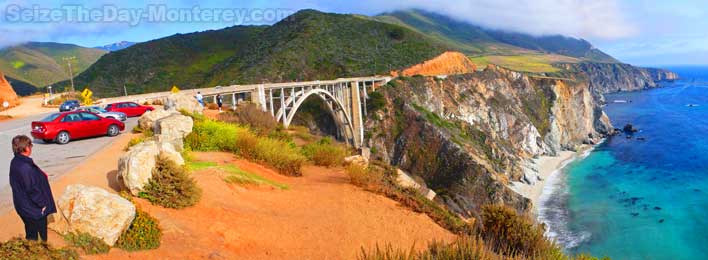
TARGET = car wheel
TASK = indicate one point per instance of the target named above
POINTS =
(62, 137)
(113, 130)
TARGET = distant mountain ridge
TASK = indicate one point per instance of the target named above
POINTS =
(476, 40)
(42, 63)
(116, 46)
(311, 45)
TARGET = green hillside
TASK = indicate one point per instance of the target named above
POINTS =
(41, 64)
(308, 45)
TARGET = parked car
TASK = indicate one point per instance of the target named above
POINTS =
(66, 126)
(69, 105)
(104, 113)
(129, 108)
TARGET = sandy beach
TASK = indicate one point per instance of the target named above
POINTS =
(548, 167)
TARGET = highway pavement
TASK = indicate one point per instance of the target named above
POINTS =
(54, 159)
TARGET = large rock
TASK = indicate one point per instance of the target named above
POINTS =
(173, 129)
(179, 101)
(406, 181)
(94, 211)
(147, 120)
(135, 166)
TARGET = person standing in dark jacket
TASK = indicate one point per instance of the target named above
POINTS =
(219, 101)
(31, 193)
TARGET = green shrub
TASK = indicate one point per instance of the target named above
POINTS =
(19, 248)
(286, 159)
(90, 244)
(143, 233)
(325, 153)
(209, 135)
(171, 186)
(509, 232)
(376, 102)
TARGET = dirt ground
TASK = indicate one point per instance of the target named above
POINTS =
(320, 216)
(31, 105)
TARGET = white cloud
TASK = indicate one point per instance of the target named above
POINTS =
(601, 19)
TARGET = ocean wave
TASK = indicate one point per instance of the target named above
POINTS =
(553, 209)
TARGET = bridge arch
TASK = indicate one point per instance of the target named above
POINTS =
(341, 117)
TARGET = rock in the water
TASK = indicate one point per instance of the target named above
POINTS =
(135, 166)
(181, 101)
(94, 211)
(628, 128)
(173, 129)
(147, 120)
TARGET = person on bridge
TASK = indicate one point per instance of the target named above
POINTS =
(31, 193)
(219, 101)
(200, 98)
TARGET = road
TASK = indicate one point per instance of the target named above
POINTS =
(54, 159)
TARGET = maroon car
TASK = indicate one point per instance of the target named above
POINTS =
(129, 108)
(67, 126)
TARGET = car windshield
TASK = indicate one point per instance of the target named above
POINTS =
(50, 118)
(98, 110)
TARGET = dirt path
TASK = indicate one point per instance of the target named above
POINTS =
(320, 216)
(31, 105)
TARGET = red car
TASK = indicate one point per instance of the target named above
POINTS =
(129, 108)
(66, 126)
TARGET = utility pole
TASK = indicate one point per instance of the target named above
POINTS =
(71, 73)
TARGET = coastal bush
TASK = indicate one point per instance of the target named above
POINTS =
(19, 248)
(509, 232)
(325, 152)
(171, 186)
(466, 247)
(144, 233)
(376, 102)
(212, 106)
(210, 135)
(282, 156)
(251, 115)
(89, 244)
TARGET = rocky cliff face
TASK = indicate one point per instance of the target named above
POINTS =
(468, 135)
(615, 77)
(7, 93)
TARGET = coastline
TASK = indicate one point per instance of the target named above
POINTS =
(548, 168)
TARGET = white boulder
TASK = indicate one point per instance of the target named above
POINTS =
(180, 101)
(94, 211)
(147, 120)
(173, 129)
(135, 166)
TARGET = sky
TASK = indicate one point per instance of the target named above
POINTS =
(650, 32)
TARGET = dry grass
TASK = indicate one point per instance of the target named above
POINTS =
(250, 115)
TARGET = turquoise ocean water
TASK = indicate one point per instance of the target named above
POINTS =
(640, 199)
